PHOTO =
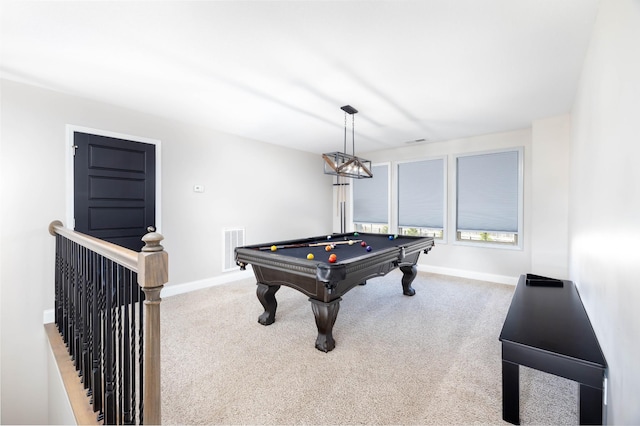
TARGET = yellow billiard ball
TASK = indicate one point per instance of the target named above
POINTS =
(274, 248)
(310, 256)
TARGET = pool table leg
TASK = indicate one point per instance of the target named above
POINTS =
(325, 314)
(267, 296)
(409, 273)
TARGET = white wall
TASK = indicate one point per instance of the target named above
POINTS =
(275, 193)
(550, 197)
(605, 199)
(493, 264)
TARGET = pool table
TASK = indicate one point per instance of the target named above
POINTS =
(359, 256)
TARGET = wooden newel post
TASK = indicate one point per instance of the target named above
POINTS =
(153, 273)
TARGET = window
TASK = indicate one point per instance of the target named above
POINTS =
(489, 198)
(371, 201)
(421, 198)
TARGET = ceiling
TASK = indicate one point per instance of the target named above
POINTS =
(279, 71)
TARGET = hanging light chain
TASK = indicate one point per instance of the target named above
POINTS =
(345, 132)
(353, 135)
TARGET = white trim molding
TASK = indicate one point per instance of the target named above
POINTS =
(480, 276)
(173, 290)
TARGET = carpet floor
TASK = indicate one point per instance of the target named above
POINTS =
(433, 358)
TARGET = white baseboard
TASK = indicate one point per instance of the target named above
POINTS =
(501, 279)
(229, 277)
(172, 290)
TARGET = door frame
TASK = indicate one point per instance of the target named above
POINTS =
(69, 153)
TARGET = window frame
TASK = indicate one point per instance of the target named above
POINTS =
(519, 245)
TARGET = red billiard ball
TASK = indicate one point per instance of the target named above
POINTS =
(363, 244)
(333, 258)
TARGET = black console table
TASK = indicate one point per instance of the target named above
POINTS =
(548, 329)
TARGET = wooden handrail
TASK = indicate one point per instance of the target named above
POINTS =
(151, 266)
(118, 254)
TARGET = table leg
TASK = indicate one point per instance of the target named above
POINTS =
(409, 273)
(590, 405)
(267, 296)
(510, 392)
(325, 314)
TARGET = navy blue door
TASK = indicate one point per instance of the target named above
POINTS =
(114, 188)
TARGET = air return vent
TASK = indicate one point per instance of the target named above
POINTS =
(232, 238)
(421, 140)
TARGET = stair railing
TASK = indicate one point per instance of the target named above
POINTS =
(107, 310)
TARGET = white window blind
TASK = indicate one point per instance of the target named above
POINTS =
(487, 192)
(421, 194)
(371, 197)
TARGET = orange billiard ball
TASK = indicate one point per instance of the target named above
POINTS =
(333, 258)
(327, 247)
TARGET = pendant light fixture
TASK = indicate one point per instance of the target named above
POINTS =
(342, 164)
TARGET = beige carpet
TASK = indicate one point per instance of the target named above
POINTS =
(433, 358)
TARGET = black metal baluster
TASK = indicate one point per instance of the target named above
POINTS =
(79, 308)
(134, 350)
(141, 348)
(88, 330)
(58, 282)
(85, 317)
(73, 275)
(109, 349)
(75, 306)
(119, 352)
(66, 285)
(126, 347)
(98, 336)
(88, 378)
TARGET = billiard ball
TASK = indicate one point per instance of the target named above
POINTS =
(333, 258)
(391, 237)
(363, 244)
(350, 242)
(368, 248)
(328, 247)
(310, 256)
(355, 234)
(328, 237)
(274, 248)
